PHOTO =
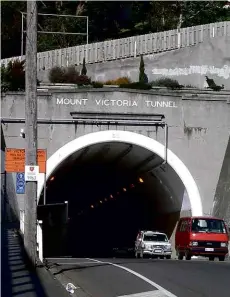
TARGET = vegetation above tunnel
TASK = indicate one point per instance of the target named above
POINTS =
(13, 78)
(107, 20)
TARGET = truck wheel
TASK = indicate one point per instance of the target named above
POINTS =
(188, 256)
(161, 257)
(168, 257)
(211, 258)
(221, 258)
(180, 256)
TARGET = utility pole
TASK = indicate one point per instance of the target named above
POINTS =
(30, 233)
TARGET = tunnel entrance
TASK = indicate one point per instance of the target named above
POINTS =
(113, 189)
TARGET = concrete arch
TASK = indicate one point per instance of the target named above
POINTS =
(132, 138)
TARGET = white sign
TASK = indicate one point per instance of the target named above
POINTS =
(31, 173)
(117, 102)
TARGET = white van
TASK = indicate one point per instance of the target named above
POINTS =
(154, 244)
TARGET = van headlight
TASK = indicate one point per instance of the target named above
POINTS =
(194, 243)
(224, 244)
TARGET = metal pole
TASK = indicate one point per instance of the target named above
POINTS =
(30, 234)
(44, 194)
(87, 38)
(22, 35)
(166, 144)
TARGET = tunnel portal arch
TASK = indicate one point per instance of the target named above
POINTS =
(131, 138)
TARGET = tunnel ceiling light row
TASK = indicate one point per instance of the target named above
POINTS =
(92, 206)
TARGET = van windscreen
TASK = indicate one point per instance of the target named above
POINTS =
(208, 226)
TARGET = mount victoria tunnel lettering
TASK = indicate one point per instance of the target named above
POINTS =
(116, 102)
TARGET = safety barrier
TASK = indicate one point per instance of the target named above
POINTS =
(129, 47)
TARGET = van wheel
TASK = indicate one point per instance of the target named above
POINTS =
(211, 258)
(221, 258)
(161, 257)
(180, 256)
(188, 256)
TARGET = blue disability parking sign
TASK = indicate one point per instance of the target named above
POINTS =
(20, 183)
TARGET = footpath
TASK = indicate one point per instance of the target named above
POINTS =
(17, 277)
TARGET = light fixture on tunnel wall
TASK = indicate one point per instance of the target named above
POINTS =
(141, 180)
(118, 193)
(105, 199)
(132, 186)
(101, 201)
(92, 206)
(52, 178)
(111, 196)
(124, 189)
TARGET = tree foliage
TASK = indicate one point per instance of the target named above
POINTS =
(107, 20)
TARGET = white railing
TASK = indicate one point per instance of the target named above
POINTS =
(40, 240)
(129, 47)
(22, 222)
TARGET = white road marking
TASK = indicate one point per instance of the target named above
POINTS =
(65, 258)
(74, 263)
(161, 289)
(155, 293)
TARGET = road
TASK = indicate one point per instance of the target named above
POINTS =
(144, 277)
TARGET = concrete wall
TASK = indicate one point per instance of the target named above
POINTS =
(199, 124)
(10, 201)
(188, 65)
(222, 195)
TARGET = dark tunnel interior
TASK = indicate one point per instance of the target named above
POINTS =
(107, 205)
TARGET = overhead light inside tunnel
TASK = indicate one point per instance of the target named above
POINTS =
(124, 189)
(132, 186)
(101, 201)
(141, 180)
(92, 206)
(111, 196)
(52, 178)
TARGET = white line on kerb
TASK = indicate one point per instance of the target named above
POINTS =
(163, 290)
(155, 293)
(74, 263)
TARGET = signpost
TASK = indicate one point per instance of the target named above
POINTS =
(20, 183)
(15, 160)
(31, 173)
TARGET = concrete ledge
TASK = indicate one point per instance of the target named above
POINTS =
(186, 94)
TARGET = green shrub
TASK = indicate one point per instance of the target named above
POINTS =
(190, 87)
(13, 76)
(136, 85)
(5, 84)
(57, 75)
(119, 81)
(167, 82)
(84, 70)
(83, 80)
(97, 84)
(143, 78)
(70, 75)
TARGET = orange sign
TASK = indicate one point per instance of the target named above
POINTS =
(15, 160)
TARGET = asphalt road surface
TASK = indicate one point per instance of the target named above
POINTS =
(144, 277)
